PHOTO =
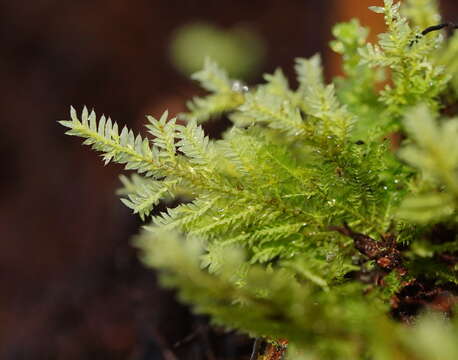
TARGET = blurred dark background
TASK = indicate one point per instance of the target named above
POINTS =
(71, 286)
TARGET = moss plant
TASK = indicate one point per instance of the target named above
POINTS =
(325, 220)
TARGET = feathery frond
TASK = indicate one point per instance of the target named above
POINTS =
(320, 102)
(225, 94)
(435, 154)
(288, 226)
(408, 54)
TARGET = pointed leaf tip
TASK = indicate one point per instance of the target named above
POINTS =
(377, 9)
(73, 114)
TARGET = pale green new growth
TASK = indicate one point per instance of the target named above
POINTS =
(253, 240)
(415, 78)
(320, 102)
(144, 193)
(164, 133)
(225, 96)
(421, 13)
(212, 78)
(123, 148)
(435, 154)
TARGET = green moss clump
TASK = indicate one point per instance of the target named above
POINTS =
(327, 215)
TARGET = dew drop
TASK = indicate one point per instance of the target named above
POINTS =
(239, 86)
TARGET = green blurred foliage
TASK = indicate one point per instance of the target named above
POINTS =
(240, 50)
